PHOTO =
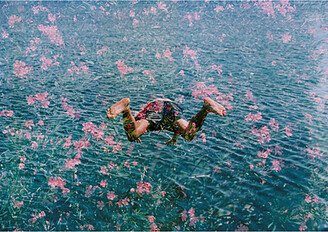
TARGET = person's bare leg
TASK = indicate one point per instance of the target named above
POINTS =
(134, 129)
(118, 108)
(189, 129)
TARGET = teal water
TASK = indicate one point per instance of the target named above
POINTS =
(223, 183)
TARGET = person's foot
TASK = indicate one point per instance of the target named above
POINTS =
(118, 108)
(214, 107)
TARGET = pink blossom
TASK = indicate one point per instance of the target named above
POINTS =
(123, 202)
(264, 154)
(217, 68)
(14, 19)
(103, 183)
(276, 165)
(253, 117)
(68, 142)
(288, 131)
(249, 95)
(71, 163)
(21, 69)
(151, 219)
(111, 196)
(46, 62)
(53, 34)
(303, 227)
(58, 182)
(154, 227)
(267, 7)
(51, 17)
(187, 52)
(109, 140)
(286, 38)
(184, 215)
(35, 217)
(308, 198)
(117, 147)
(242, 228)
(218, 8)
(315, 199)
(168, 54)
(41, 122)
(263, 134)
(135, 23)
(90, 190)
(21, 165)
(18, 204)
(81, 144)
(162, 6)
(102, 51)
(158, 55)
(29, 124)
(100, 205)
(143, 187)
(6, 113)
(124, 69)
(103, 170)
(4, 34)
(201, 90)
(274, 124)
(37, 9)
(34, 145)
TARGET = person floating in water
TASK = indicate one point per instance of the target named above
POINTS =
(162, 114)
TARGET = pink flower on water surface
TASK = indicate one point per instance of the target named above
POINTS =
(162, 6)
(263, 134)
(41, 97)
(201, 90)
(143, 187)
(21, 69)
(52, 33)
(103, 183)
(308, 198)
(168, 54)
(6, 113)
(218, 8)
(68, 142)
(274, 124)
(253, 117)
(18, 204)
(14, 19)
(54, 182)
(286, 38)
(37, 9)
(189, 53)
(102, 51)
(111, 196)
(288, 131)
(267, 7)
(303, 227)
(34, 145)
(264, 154)
(276, 165)
(81, 144)
(71, 163)
(35, 217)
(123, 68)
(51, 17)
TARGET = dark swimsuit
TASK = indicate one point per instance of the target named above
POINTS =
(161, 114)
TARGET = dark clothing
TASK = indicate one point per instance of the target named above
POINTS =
(161, 115)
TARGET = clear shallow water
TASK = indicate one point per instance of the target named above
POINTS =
(278, 59)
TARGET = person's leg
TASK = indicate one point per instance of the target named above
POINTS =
(134, 129)
(189, 129)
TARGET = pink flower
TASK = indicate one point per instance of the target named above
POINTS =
(274, 124)
(249, 95)
(143, 187)
(34, 145)
(29, 124)
(14, 19)
(18, 204)
(111, 196)
(100, 205)
(21, 165)
(303, 227)
(201, 90)
(276, 165)
(187, 52)
(102, 51)
(103, 170)
(218, 8)
(184, 215)
(103, 183)
(124, 69)
(5, 34)
(46, 62)
(71, 163)
(6, 113)
(162, 6)
(81, 144)
(52, 33)
(123, 202)
(308, 198)
(68, 142)
(51, 17)
(264, 153)
(168, 54)
(286, 38)
(288, 131)
(267, 7)
(58, 182)
(117, 147)
(253, 117)
(21, 69)
(315, 199)
(37, 9)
